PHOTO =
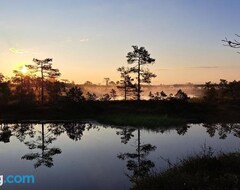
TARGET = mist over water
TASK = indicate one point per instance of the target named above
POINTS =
(190, 90)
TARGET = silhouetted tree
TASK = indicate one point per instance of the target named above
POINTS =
(37, 87)
(107, 80)
(88, 83)
(210, 93)
(151, 95)
(141, 57)
(46, 71)
(5, 92)
(54, 90)
(223, 91)
(75, 94)
(1, 77)
(170, 95)
(180, 95)
(208, 85)
(223, 87)
(91, 96)
(163, 95)
(105, 97)
(113, 94)
(126, 83)
(223, 84)
(112, 83)
(23, 91)
(157, 96)
(234, 89)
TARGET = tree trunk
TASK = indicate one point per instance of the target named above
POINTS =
(139, 146)
(42, 81)
(139, 81)
(43, 144)
(125, 91)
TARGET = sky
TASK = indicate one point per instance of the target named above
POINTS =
(89, 39)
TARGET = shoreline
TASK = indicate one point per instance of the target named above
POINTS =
(131, 113)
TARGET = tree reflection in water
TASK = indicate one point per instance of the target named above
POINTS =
(42, 143)
(75, 130)
(42, 150)
(22, 130)
(223, 129)
(5, 133)
(137, 162)
(126, 134)
(182, 130)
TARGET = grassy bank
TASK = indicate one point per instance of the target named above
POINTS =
(133, 113)
(140, 120)
(201, 172)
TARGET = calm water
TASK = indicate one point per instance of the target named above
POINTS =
(93, 156)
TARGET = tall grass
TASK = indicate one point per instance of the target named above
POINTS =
(201, 172)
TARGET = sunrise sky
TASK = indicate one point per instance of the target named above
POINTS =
(89, 39)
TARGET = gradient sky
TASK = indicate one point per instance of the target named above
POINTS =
(89, 39)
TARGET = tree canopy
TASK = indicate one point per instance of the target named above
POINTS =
(140, 57)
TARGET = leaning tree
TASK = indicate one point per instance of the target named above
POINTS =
(140, 57)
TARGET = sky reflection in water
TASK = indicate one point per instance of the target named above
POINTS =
(93, 156)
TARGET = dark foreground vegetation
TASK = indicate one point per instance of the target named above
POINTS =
(203, 171)
(133, 113)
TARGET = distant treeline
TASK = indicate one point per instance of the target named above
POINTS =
(224, 90)
(39, 84)
(26, 90)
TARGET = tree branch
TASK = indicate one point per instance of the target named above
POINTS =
(233, 44)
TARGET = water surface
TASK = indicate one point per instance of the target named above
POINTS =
(94, 156)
